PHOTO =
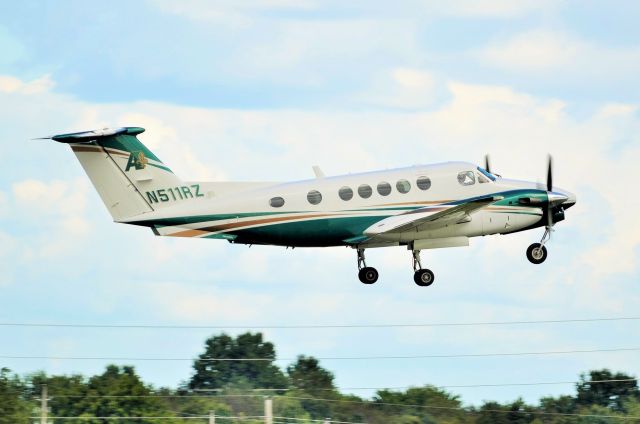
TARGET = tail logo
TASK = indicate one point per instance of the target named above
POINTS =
(137, 160)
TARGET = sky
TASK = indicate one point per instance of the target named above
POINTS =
(264, 90)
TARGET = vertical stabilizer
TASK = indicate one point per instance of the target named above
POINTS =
(130, 179)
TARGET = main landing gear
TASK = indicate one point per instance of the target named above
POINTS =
(366, 274)
(369, 275)
(422, 276)
(537, 252)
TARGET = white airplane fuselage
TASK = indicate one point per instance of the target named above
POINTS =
(422, 206)
(242, 211)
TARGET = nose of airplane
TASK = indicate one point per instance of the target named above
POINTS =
(564, 197)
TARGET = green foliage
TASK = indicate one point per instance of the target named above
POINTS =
(311, 380)
(308, 393)
(306, 374)
(218, 374)
(427, 404)
(612, 394)
(13, 407)
(516, 412)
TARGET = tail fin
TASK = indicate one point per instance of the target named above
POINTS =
(129, 178)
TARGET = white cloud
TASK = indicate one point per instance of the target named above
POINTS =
(229, 12)
(9, 84)
(515, 127)
(58, 208)
(208, 282)
(491, 8)
(4, 206)
(546, 51)
(403, 88)
(610, 110)
(244, 12)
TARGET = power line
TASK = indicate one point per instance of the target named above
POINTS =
(462, 409)
(448, 386)
(125, 418)
(311, 326)
(196, 417)
(217, 391)
(378, 403)
(326, 358)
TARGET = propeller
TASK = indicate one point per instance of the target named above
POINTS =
(487, 166)
(550, 173)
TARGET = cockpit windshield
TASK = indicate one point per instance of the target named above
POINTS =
(487, 174)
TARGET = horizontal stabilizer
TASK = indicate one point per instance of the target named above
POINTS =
(87, 136)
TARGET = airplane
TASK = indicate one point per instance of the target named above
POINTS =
(419, 207)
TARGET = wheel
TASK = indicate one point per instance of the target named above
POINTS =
(368, 275)
(424, 277)
(536, 253)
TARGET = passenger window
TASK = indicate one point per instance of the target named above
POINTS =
(345, 193)
(365, 191)
(466, 178)
(423, 183)
(384, 188)
(403, 186)
(276, 202)
(314, 197)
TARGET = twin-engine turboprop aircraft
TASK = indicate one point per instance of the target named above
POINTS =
(420, 207)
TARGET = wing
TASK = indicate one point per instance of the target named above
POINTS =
(432, 217)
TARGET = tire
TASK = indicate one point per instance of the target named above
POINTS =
(424, 277)
(368, 275)
(536, 253)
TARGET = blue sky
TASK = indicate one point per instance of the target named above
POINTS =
(263, 90)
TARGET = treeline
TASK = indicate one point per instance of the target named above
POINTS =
(304, 390)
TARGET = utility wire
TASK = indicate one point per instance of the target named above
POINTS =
(197, 417)
(312, 326)
(123, 418)
(326, 358)
(217, 391)
(459, 408)
(377, 403)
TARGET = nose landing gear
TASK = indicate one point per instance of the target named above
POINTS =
(537, 252)
(422, 277)
(366, 274)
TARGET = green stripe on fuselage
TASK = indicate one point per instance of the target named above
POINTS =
(321, 232)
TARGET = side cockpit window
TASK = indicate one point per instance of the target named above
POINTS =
(466, 178)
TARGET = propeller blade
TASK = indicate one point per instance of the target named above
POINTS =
(550, 174)
(550, 189)
(487, 166)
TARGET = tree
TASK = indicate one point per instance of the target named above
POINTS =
(66, 393)
(611, 394)
(428, 404)
(119, 392)
(13, 406)
(560, 405)
(306, 374)
(516, 412)
(211, 374)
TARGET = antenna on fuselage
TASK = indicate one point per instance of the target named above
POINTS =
(318, 171)
(487, 166)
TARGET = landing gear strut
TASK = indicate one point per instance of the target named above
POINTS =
(366, 274)
(422, 277)
(537, 252)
